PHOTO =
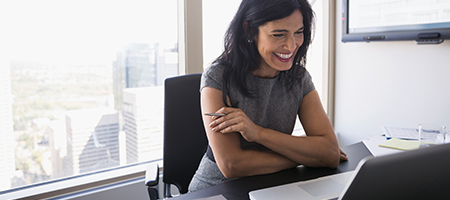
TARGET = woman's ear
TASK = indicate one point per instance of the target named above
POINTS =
(245, 26)
(249, 32)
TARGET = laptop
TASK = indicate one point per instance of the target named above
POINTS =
(417, 174)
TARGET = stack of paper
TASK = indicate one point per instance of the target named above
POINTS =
(400, 144)
(404, 133)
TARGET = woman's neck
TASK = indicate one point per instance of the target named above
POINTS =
(265, 72)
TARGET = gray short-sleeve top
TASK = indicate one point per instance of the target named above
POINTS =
(273, 105)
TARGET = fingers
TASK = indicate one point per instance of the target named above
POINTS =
(342, 152)
(343, 155)
(235, 120)
(224, 124)
(232, 121)
(218, 114)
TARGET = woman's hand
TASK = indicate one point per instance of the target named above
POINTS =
(343, 155)
(235, 120)
(231, 159)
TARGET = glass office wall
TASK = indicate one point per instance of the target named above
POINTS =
(81, 85)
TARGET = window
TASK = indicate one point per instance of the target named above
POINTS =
(81, 85)
(315, 62)
(215, 24)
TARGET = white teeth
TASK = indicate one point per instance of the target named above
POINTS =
(284, 56)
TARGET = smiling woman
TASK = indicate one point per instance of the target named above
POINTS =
(278, 41)
(261, 85)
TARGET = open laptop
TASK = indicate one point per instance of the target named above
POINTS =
(417, 174)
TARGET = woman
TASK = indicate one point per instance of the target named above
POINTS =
(260, 85)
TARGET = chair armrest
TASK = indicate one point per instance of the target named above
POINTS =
(152, 174)
(151, 180)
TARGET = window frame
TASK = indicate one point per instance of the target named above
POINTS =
(63, 186)
(329, 59)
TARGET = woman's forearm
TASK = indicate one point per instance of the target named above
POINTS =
(252, 162)
(314, 151)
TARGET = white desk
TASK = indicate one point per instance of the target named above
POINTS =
(372, 144)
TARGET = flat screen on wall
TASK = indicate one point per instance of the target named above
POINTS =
(424, 21)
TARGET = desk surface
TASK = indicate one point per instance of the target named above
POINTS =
(239, 189)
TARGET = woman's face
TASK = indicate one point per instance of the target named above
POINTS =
(278, 42)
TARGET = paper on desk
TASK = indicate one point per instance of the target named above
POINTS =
(375, 150)
(400, 144)
(405, 133)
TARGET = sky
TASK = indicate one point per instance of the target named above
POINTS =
(92, 31)
(83, 31)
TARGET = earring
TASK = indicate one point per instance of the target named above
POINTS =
(249, 41)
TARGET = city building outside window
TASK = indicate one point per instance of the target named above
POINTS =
(81, 85)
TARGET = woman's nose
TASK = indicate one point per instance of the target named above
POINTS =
(290, 44)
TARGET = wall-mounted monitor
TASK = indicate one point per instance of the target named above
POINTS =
(424, 21)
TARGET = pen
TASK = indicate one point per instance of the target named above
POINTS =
(215, 114)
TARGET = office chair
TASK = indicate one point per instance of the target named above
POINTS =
(185, 139)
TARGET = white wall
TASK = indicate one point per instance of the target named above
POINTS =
(397, 84)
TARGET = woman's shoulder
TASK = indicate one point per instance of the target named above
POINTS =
(304, 83)
(306, 76)
(307, 83)
(213, 76)
(215, 69)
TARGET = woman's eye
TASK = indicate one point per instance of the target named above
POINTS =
(299, 32)
(278, 35)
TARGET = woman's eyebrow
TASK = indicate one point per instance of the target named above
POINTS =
(279, 30)
(284, 30)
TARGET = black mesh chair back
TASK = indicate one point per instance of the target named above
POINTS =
(185, 139)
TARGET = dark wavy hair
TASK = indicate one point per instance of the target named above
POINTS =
(242, 57)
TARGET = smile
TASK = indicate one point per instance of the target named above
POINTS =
(284, 57)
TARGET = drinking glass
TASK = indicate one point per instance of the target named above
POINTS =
(431, 134)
